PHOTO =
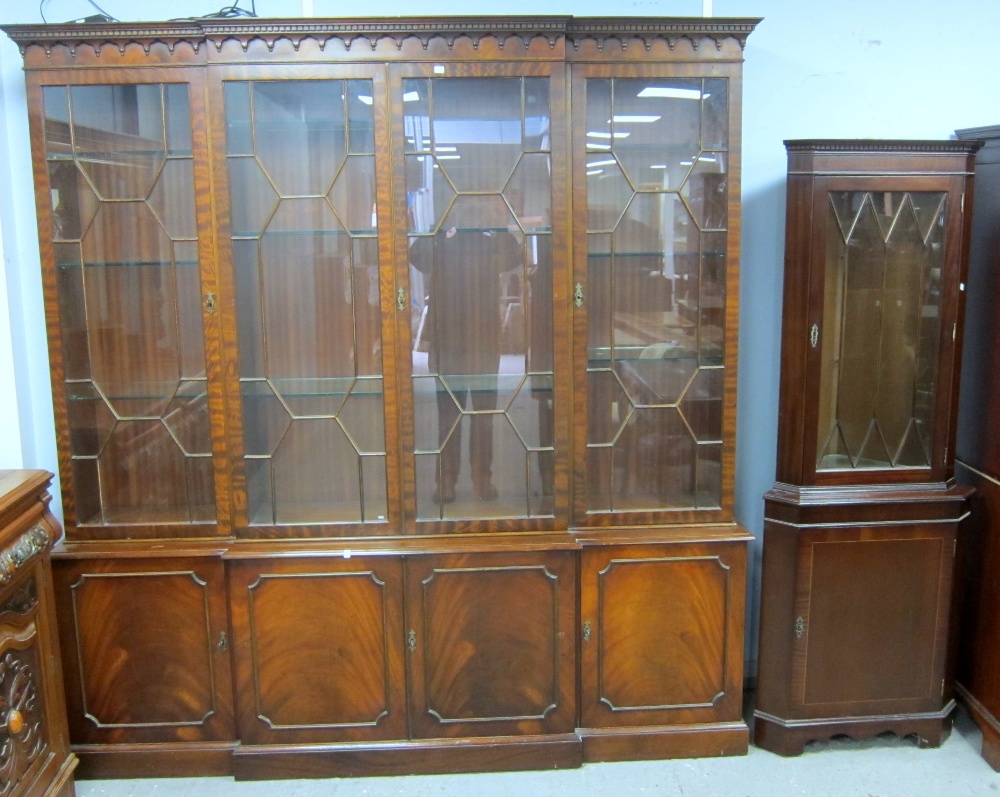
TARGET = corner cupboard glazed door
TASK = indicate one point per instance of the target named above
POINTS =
(885, 313)
(655, 290)
(125, 224)
(481, 269)
(309, 324)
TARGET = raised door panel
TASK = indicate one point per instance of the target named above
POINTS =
(145, 650)
(491, 647)
(318, 650)
(662, 634)
(871, 613)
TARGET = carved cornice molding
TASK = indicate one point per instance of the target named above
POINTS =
(217, 32)
(883, 145)
(116, 35)
(669, 29)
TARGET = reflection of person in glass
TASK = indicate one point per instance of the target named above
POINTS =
(464, 267)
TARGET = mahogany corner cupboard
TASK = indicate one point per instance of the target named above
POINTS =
(394, 374)
(860, 528)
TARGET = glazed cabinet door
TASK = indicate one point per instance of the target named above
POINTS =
(300, 156)
(884, 307)
(655, 288)
(490, 644)
(125, 225)
(318, 649)
(894, 585)
(479, 188)
(145, 649)
(662, 634)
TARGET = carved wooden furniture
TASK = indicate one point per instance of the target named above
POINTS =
(860, 527)
(35, 755)
(385, 446)
(977, 456)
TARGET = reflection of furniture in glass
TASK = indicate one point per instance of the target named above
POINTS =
(860, 527)
(260, 380)
(977, 456)
(35, 756)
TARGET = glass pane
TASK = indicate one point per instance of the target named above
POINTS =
(118, 136)
(657, 212)
(479, 191)
(305, 493)
(882, 329)
(306, 259)
(657, 127)
(72, 311)
(300, 133)
(129, 288)
(239, 135)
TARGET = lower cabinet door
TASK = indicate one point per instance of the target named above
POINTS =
(662, 633)
(491, 643)
(318, 649)
(145, 649)
(871, 620)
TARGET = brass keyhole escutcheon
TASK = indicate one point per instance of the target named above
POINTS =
(15, 722)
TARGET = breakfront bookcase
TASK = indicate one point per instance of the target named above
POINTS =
(394, 369)
(860, 528)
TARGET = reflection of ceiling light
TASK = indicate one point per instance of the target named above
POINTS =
(445, 149)
(672, 93)
(616, 134)
(448, 157)
(365, 99)
(637, 118)
(706, 158)
(658, 166)
(595, 171)
(411, 96)
(592, 145)
(611, 162)
(686, 163)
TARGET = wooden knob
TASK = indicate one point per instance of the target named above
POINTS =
(15, 722)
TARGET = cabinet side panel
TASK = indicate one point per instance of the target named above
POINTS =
(979, 651)
(777, 616)
(794, 325)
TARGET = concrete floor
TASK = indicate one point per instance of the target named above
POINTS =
(882, 767)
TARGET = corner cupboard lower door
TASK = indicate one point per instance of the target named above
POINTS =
(491, 646)
(662, 634)
(318, 649)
